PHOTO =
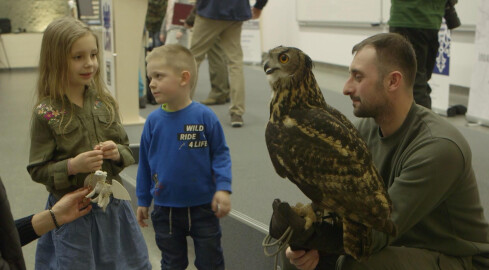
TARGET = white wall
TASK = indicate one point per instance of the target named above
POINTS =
(333, 44)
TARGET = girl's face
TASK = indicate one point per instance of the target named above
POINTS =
(82, 62)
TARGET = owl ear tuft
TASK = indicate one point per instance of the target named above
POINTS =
(308, 62)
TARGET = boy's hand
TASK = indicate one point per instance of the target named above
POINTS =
(86, 162)
(142, 214)
(110, 150)
(221, 203)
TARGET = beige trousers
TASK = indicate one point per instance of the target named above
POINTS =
(206, 33)
(218, 72)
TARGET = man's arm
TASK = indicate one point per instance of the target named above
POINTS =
(424, 180)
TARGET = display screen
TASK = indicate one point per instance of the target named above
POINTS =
(89, 11)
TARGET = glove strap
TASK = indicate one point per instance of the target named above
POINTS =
(282, 243)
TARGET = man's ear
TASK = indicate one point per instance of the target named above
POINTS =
(394, 80)
(185, 79)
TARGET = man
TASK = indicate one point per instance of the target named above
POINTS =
(217, 19)
(425, 163)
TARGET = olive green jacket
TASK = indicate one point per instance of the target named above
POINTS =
(53, 142)
(422, 14)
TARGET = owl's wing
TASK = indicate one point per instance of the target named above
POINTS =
(330, 164)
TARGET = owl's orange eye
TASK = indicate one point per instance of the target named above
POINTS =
(283, 58)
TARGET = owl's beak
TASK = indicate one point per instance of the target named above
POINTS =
(267, 69)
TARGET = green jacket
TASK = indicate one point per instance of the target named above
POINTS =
(424, 14)
(52, 145)
(154, 15)
(427, 167)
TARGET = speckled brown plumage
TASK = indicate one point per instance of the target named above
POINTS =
(317, 148)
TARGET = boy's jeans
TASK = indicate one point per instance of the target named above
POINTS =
(173, 224)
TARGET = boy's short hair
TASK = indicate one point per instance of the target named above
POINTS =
(177, 58)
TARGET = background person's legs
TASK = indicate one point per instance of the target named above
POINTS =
(206, 33)
(231, 45)
(219, 76)
(425, 44)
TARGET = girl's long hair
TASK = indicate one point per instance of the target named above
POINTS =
(54, 67)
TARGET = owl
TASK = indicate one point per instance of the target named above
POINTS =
(317, 148)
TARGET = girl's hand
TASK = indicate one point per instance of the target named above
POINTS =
(86, 162)
(109, 149)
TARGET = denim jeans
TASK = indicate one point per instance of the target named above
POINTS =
(173, 224)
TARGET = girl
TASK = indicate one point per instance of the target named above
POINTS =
(75, 131)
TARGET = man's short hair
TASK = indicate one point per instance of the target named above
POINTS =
(394, 52)
(176, 57)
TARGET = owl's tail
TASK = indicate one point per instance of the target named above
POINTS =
(357, 239)
(390, 228)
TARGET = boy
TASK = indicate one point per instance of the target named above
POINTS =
(184, 165)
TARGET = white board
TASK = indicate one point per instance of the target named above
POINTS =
(339, 12)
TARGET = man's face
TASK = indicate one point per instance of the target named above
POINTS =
(364, 86)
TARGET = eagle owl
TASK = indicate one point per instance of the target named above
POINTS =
(317, 148)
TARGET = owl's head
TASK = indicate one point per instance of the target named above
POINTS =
(286, 63)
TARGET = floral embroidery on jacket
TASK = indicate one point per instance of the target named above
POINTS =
(97, 104)
(50, 114)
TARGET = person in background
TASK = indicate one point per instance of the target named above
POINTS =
(426, 165)
(171, 33)
(419, 21)
(14, 234)
(76, 130)
(184, 165)
(155, 14)
(218, 70)
(223, 20)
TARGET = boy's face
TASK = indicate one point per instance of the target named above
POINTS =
(165, 83)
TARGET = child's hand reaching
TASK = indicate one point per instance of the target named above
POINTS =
(141, 215)
(221, 203)
(110, 150)
(86, 162)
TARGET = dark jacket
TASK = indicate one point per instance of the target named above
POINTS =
(10, 251)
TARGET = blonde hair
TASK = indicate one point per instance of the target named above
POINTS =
(177, 58)
(53, 81)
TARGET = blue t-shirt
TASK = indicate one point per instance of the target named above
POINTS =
(183, 158)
